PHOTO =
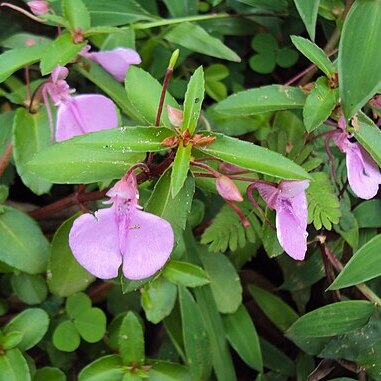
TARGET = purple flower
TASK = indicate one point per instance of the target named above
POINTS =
(116, 61)
(77, 115)
(364, 175)
(290, 203)
(122, 234)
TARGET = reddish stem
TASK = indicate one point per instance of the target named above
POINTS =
(4, 160)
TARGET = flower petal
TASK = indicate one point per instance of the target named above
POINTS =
(94, 242)
(146, 246)
(364, 175)
(269, 193)
(83, 114)
(292, 188)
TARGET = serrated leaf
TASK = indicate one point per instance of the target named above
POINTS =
(185, 274)
(315, 54)
(180, 168)
(76, 13)
(359, 77)
(323, 204)
(308, 11)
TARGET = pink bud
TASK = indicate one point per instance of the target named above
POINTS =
(175, 116)
(230, 169)
(227, 189)
(39, 7)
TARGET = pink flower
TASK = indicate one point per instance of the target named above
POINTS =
(175, 116)
(227, 189)
(80, 114)
(364, 176)
(116, 61)
(289, 200)
(39, 7)
(122, 235)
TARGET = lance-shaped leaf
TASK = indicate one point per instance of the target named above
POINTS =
(185, 274)
(359, 53)
(76, 13)
(180, 168)
(308, 11)
(315, 54)
(255, 158)
(193, 100)
(262, 99)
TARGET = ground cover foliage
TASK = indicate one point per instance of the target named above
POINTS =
(272, 133)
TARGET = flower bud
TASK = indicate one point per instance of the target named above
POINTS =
(39, 7)
(230, 169)
(227, 189)
(175, 116)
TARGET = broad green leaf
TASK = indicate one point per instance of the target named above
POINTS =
(315, 54)
(308, 11)
(370, 360)
(77, 304)
(61, 51)
(49, 374)
(30, 289)
(364, 265)
(10, 340)
(262, 99)
(33, 323)
(368, 214)
(180, 168)
(271, 305)
(359, 49)
(195, 337)
(185, 274)
(243, 337)
(76, 13)
(143, 92)
(22, 244)
(255, 158)
(369, 136)
(15, 59)
(66, 337)
(195, 38)
(167, 371)
(319, 104)
(19, 40)
(193, 100)
(114, 13)
(158, 299)
(224, 281)
(175, 210)
(31, 134)
(305, 365)
(91, 324)
(333, 319)
(131, 339)
(272, 5)
(181, 8)
(276, 360)
(107, 368)
(13, 366)
(65, 275)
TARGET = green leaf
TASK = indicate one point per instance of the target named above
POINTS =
(167, 371)
(364, 265)
(181, 8)
(196, 342)
(359, 49)
(263, 63)
(308, 11)
(158, 299)
(319, 104)
(143, 92)
(196, 39)
(264, 43)
(315, 54)
(30, 289)
(323, 204)
(185, 274)
(347, 226)
(76, 304)
(131, 339)
(370, 360)
(243, 337)
(76, 13)
(333, 319)
(286, 57)
(6, 121)
(224, 281)
(180, 168)
(255, 158)
(61, 51)
(193, 100)
(216, 72)
(276, 360)
(65, 275)
(368, 214)
(31, 134)
(91, 324)
(271, 305)
(22, 244)
(33, 323)
(174, 210)
(66, 337)
(15, 59)
(262, 99)
(369, 136)
(11, 340)
(49, 374)
(13, 366)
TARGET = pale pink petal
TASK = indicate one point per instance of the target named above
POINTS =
(39, 7)
(94, 242)
(83, 114)
(227, 189)
(269, 193)
(126, 189)
(175, 116)
(364, 175)
(146, 245)
(292, 188)
(116, 61)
